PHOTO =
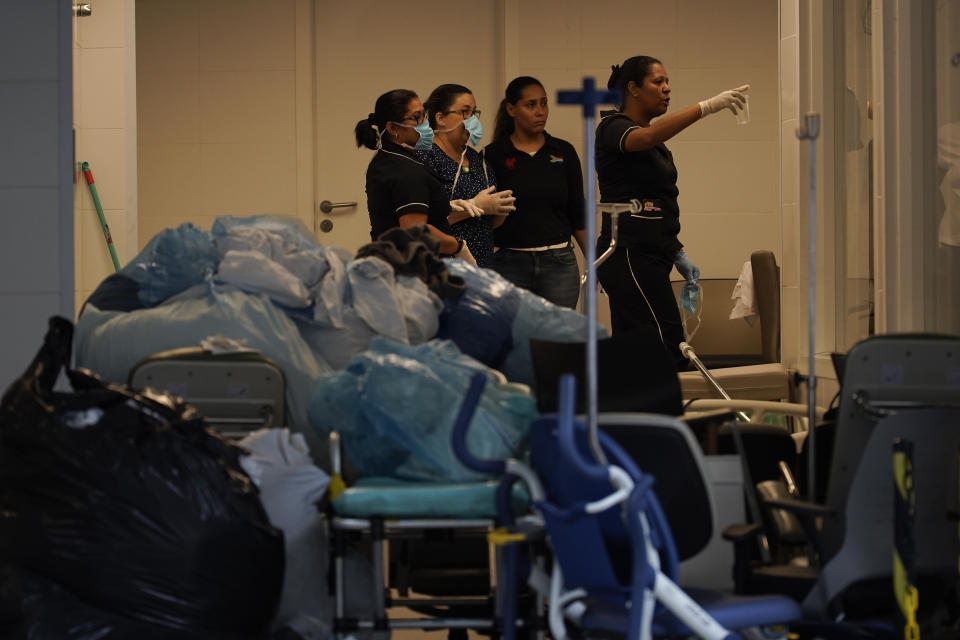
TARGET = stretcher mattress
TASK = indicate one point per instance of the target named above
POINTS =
(398, 499)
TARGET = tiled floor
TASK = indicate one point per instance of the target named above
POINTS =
(416, 634)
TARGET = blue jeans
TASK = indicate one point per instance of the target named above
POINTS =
(552, 274)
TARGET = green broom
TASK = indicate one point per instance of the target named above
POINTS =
(85, 167)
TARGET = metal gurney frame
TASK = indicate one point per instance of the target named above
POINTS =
(394, 524)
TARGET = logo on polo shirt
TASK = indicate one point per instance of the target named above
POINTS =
(556, 159)
(510, 163)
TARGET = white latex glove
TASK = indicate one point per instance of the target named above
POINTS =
(499, 203)
(464, 254)
(468, 206)
(731, 99)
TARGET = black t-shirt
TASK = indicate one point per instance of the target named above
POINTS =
(397, 184)
(648, 176)
(548, 187)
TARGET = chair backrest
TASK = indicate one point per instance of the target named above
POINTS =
(766, 291)
(883, 374)
(866, 550)
(635, 373)
(765, 445)
(235, 392)
(670, 453)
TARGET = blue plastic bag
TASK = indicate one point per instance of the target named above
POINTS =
(173, 260)
(480, 321)
(395, 406)
(493, 301)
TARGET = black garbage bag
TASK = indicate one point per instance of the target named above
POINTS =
(122, 505)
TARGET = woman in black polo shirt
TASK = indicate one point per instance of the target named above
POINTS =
(533, 244)
(634, 163)
(400, 190)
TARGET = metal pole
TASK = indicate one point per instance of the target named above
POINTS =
(590, 98)
(591, 255)
(691, 355)
(809, 131)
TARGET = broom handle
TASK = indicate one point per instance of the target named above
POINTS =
(88, 175)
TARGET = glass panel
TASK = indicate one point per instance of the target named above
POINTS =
(943, 303)
(854, 179)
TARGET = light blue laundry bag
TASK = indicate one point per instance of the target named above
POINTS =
(395, 406)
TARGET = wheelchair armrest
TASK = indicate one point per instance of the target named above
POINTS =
(801, 508)
(744, 539)
(738, 533)
(808, 513)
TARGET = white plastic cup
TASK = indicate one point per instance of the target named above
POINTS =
(743, 116)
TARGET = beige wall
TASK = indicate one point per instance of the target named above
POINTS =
(216, 111)
(104, 121)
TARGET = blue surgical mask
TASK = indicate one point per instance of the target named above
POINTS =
(475, 129)
(426, 135)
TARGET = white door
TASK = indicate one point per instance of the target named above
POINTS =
(365, 48)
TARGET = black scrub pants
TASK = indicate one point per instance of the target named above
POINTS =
(638, 286)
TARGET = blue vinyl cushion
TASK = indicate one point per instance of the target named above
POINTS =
(393, 498)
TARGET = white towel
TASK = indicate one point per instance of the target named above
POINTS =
(745, 305)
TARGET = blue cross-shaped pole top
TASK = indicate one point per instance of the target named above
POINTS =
(589, 97)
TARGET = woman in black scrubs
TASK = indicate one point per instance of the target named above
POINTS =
(400, 190)
(633, 163)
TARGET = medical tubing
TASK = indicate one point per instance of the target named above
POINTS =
(88, 176)
(470, 400)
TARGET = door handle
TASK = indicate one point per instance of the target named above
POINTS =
(326, 206)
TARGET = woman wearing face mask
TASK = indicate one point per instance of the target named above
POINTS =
(453, 157)
(400, 190)
(533, 245)
(634, 163)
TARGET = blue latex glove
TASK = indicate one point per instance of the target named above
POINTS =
(685, 266)
(690, 297)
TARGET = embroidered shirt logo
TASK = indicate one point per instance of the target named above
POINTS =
(510, 163)
(648, 205)
(556, 159)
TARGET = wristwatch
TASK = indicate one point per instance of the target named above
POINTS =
(460, 243)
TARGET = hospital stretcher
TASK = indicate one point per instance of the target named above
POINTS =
(377, 510)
